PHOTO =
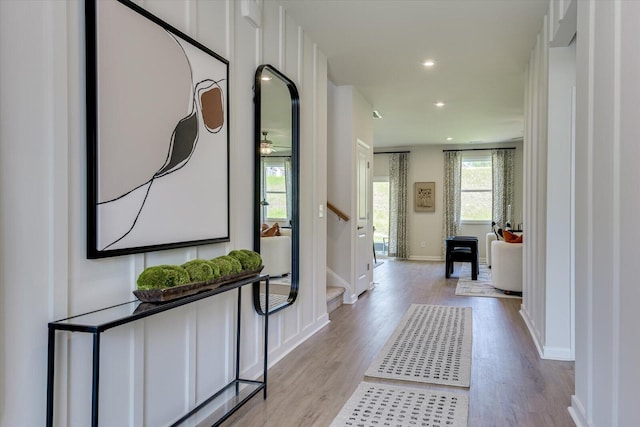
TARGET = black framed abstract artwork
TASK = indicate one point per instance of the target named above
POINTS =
(158, 136)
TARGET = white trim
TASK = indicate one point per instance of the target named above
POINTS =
(535, 336)
(255, 371)
(475, 222)
(252, 12)
(616, 215)
(349, 299)
(572, 248)
(425, 258)
(576, 410)
(557, 353)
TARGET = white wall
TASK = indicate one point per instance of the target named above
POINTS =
(559, 272)
(426, 164)
(340, 161)
(44, 274)
(607, 204)
(548, 295)
(349, 120)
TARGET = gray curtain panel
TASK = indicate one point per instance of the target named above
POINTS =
(452, 181)
(289, 185)
(503, 178)
(398, 172)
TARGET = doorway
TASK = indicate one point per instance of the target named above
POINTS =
(381, 216)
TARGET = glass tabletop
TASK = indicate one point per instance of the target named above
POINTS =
(110, 317)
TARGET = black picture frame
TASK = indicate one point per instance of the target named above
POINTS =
(157, 134)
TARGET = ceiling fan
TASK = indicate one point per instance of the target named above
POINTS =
(267, 147)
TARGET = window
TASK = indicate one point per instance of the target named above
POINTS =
(475, 189)
(381, 215)
(275, 190)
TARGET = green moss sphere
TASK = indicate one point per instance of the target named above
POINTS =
(236, 264)
(162, 276)
(245, 260)
(256, 259)
(200, 270)
(224, 266)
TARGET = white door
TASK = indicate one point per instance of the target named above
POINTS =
(364, 232)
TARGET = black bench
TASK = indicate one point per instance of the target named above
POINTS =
(462, 249)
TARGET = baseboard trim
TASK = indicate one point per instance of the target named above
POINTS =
(558, 353)
(545, 352)
(425, 258)
(437, 258)
(535, 336)
(321, 322)
(349, 299)
(576, 410)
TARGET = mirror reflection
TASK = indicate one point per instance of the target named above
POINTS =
(276, 187)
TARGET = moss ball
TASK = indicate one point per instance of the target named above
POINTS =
(236, 264)
(256, 259)
(224, 266)
(162, 276)
(245, 260)
(200, 270)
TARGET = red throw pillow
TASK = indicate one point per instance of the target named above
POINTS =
(510, 237)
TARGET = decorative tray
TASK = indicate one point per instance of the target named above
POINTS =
(169, 294)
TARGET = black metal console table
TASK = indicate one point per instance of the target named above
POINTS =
(228, 399)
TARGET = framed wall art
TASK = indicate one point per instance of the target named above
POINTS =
(157, 134)
(425, 196)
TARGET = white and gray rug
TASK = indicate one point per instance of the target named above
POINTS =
(481, 287)
(375, 404)
(275, 300)
(432, 344)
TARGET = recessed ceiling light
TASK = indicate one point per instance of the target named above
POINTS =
(376, 114)
(429, 63)
(439, 104)
(449, 138)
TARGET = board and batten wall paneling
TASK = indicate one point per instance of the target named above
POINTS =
(44, 272)
(607, 345)
(549, 176)
(535, 141)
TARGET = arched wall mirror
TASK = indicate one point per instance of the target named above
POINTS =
(276, 223)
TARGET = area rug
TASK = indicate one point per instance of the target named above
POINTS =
(481, 287)
(432, 344)
(374, 404)
(275, 300)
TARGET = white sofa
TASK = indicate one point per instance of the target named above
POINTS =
(506, 269)
(491, 237)
(276, 253)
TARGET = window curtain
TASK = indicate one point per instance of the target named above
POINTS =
(452, 181)
(398, 171)
(503, 177)
(289, 186)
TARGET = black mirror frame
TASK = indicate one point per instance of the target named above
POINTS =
(295, 198)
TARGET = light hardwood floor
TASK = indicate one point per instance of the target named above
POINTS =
(510, 384)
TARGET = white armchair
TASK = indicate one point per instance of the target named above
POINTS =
(491, 237)
(276, 255)
(506, 271)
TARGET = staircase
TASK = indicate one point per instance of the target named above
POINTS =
(334, 297)
(336, 288)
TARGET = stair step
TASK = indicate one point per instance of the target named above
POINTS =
(334, 297)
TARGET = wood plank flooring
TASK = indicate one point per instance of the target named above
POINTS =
(510, 384)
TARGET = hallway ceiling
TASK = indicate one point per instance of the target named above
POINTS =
(481, 49)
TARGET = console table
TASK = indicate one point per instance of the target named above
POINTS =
(229, 398)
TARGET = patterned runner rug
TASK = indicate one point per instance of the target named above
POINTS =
(481, 287)
(374, 404)
(432, 344)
